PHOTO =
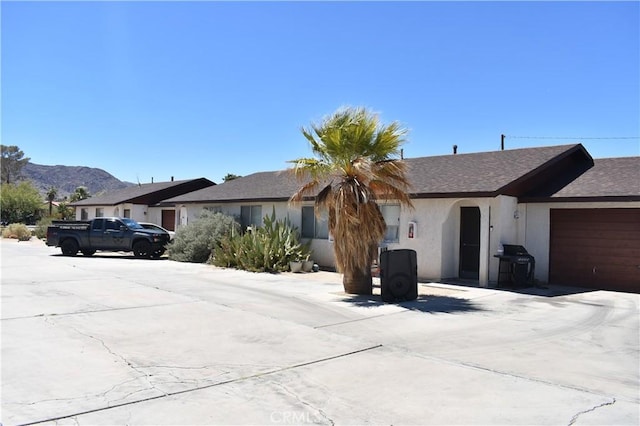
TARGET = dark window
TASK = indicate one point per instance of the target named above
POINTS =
(250, 216)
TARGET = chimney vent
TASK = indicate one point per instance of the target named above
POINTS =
(455, 149)
(171, 178)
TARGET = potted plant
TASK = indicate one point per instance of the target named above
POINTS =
(307, 264)
(295, 265)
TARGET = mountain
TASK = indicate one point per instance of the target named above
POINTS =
(67, 178)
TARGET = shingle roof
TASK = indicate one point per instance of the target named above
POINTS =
(276, 185)
(480, 174)
(146, 193)
(609, 177)
(486, 173)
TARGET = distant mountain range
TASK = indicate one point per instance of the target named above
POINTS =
(65, 179)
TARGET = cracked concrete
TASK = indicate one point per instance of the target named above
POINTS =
(168, 343)
(574, 419)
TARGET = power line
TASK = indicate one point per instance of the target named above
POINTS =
(564, 137)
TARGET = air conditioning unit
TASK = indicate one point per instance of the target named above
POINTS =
(398, 275)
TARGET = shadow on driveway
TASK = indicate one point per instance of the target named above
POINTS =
(433, 304)
(546, 290)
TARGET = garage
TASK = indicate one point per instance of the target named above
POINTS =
(595, 248)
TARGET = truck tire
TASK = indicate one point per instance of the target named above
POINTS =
(88, 252)
(158, 253)
(69, 247)
(142, 249)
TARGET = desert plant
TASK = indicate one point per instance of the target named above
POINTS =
(268, 248)
(41, 227)
(354, 166)
(195, 242)
(17, 231)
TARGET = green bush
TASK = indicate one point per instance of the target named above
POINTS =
(195, 242)
(18, 231)
(269, 248)
(41, 227)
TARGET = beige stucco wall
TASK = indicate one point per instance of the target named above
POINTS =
(437, 237)
(138, 211)
(534, 226)
(437, 240)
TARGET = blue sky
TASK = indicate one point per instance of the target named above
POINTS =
(201, 89)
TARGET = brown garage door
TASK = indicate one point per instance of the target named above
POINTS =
(596, 248)
(169, 219)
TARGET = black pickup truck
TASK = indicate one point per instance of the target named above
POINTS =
(106, 233)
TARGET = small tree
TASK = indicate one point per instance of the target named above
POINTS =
(51, 196)
(230, 176)
(81, 193)
(12, 163)
(20, 203)
(65, 212)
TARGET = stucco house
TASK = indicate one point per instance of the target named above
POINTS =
(139, 202)
(546, 199)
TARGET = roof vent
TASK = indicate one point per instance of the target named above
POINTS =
(455, 149)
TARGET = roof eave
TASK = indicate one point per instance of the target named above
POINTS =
(583, 199)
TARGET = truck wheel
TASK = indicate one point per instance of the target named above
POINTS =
(158, 253)
(142, 249)
(88, 252)
(69, 247)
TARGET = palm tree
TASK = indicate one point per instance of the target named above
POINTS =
(81, 193)
(51, 196)
(353, 168)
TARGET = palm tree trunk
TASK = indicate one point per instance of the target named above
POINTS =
(358, 282)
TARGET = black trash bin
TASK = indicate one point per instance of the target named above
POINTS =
(398, 275)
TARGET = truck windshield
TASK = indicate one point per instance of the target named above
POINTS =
(131, 224)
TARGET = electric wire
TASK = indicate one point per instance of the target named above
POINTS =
(564, 137)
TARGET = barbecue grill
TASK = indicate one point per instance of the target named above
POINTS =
(517, 265)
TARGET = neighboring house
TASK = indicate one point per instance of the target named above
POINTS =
(140, 202)
(467, 205)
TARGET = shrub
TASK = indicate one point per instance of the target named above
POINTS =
(269, 248)
(18, 231)
(41, 227)
(195, 242)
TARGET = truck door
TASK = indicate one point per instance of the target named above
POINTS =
(96, 237)
(114, 236)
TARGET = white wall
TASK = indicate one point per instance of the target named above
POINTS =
(138, 211)
(535, 228)
(437, 238)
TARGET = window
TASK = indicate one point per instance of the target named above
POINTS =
(99, 212)
(112, 224)
(391, 214)
(127, 213)
(312, 226)
(250, 216)
(84, 214)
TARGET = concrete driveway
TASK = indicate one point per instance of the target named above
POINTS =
(111, 339)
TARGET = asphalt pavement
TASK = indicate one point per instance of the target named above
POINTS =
(114, 340)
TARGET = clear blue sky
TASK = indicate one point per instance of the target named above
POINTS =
(201, 89)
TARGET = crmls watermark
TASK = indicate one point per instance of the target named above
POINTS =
(290, 417)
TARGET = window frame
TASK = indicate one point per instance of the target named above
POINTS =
(320, 226)
(390, 226)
